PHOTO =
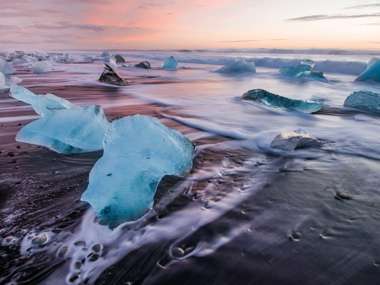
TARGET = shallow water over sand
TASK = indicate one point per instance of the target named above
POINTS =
(245, 214)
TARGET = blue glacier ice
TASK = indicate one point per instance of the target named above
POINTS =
(138, 152)
(238, 67)
(364, 100)
(170, 63)
(303, 70)
(62, 127)
(5, 67)
(372, 72)
(277, 101)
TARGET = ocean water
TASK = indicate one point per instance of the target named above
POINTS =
(247, 213)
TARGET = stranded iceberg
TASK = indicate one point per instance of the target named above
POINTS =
(365, 101)
(63, 127)
(372, 72)
(238, 67)
(170, 64)
(303, 70)
(138, 152)
(277, 101)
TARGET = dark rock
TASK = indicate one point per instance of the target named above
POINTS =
(143, 64)
(119, 59)
(341, 196)
(110, 76)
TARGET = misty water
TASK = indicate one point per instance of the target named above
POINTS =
(247, 213)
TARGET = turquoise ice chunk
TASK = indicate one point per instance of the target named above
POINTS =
(63, 127)
(364, 100)
(372, 72)
(138, 152)
(277, 101)
(238, 67)
(170, 63)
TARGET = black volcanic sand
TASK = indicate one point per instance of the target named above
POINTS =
(312, 222)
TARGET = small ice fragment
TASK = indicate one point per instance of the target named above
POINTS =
(372, 72)
(303, 70)
(290, 141)
(364, 100)
(138, 152)
(110, 76)
(5, 67)
(311, 75)
(277, 101)
(238, 67)
(40, 67)
(63, 127)
(3, 85)
(170, 64)
(143, 64)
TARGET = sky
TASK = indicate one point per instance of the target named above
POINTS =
(188, 24)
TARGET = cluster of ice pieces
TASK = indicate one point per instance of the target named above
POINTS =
(372, 72)
(289, 141)
(304, 71)
(364, 100)
(277, 101)
(238, 67)
(170, 64)
(62, 127)
(138, 152)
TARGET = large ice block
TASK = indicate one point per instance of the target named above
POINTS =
(277, 101)
(372, 72)
(238, 67)
(170, 63)
(63, 127)
(364, 100)
(138, 152)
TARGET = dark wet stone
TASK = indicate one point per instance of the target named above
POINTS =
(295, 236)
(341, 196)
(119, 59)
(143, 64)
(110, 76)
(11, 154)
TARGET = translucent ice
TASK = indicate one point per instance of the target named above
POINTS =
(170, 64)
(372, 72)
(3, 85)
(63, 127)
(277, 101)
(5, 67)
(138, 152)
(365, 101)
(39, 67)
(303, 70)
(290, 141)
(237, 67)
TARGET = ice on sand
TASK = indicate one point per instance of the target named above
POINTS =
(372, 72)
(277, 101)
(364, 100)
(170, 64)
(138, 152)
(63, 127)
(289, 141)
(40, 67)
(5, 67)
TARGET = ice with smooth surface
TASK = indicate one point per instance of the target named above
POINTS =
(170, 63)
(63, 127)
(289, 141)
(303, 70)
(5, 67)
(238, 67)
(138, 152)
(277, 101)
(364, 100)
(372, 72)
(40, 67)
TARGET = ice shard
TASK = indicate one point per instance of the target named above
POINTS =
(238, 67)
(143, 64)
(63, 127)
(5, 67)
(40, 67)
(3, 85)
(138, 152)
(289, 141)
(372, 72)
(110, 76)
(304, 71)
(170, 64)
(277, 101)
(364, 100)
